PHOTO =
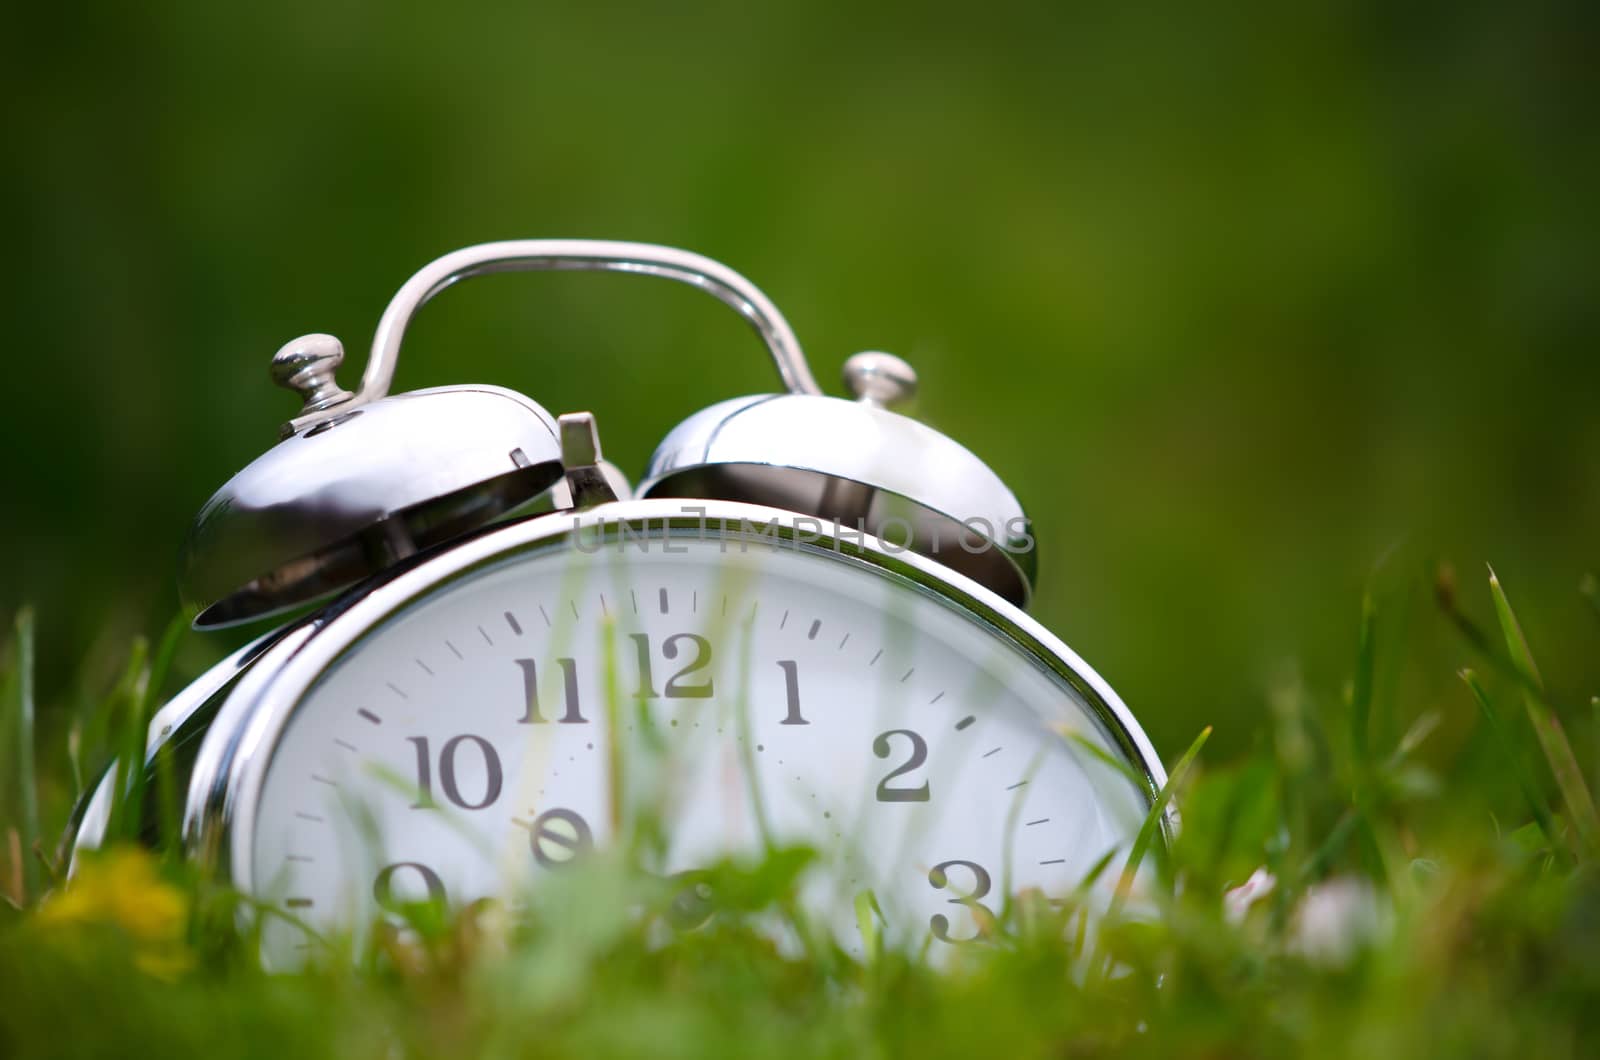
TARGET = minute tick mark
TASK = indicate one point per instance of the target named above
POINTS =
(486, 639)
(320, 779)
(396, 690)
(845, 641)
(996, 751)
(1042, 820)
(544, 615)
(346, 744)
(454, 650)
(1054, 861)
(424, 667)
(784, 621)
(907, 676)
(1014, 787)
(313, 818)
(874, 660)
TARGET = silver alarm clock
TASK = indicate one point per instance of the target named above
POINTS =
(804, 625)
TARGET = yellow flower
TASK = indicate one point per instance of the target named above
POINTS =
(122, 889)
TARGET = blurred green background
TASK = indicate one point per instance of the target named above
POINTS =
(1243, 304)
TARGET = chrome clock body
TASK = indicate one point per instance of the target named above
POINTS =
(804, 626)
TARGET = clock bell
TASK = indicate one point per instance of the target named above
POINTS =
(364, 479)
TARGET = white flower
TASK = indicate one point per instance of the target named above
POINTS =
(1237, 902)
(1337, 918)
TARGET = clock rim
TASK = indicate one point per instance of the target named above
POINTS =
(230, 769)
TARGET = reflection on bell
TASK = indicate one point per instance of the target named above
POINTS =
(347, 496)
(859, 464)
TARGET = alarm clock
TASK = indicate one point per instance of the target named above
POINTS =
(804, 625)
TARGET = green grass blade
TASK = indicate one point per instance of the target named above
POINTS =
(27, 784)
(1335, 842)
(1414, 736)
(12, 889)
(1361, 689)
(616, 793)
(169, 812)
(1502, 737)
(869, 918)
(1118, 766)
(125, 734)
(1444, 594)
(1152, 821)
(1105, 758)
(1143, 841)
(1552, 737)
(1516, 642)
(1594, 729)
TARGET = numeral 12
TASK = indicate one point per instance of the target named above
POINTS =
(677, 687)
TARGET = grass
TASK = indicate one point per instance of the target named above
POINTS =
(1404, 900)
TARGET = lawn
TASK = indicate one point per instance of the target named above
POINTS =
(1340, 890)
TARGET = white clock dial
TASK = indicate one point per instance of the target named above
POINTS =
(466, 744)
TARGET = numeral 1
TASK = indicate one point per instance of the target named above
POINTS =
(530, 687)
(791, 685)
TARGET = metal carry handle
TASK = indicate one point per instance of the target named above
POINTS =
(540, 255)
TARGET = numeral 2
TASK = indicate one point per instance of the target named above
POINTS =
(919, 755)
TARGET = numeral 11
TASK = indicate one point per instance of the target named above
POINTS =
(530, 685)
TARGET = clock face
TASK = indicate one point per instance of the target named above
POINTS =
(494, 729)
